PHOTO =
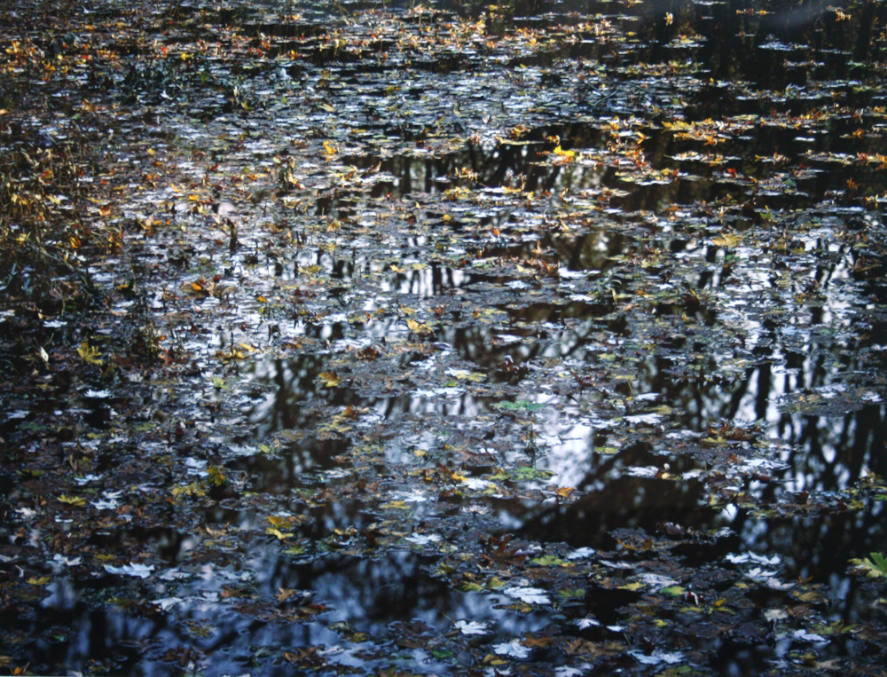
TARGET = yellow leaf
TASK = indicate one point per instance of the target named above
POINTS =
(726, 240)
(465, 375)
(193, 489)
(395, 505)
(77, 501)
(564, 492)
(89, 354)
(329, 379)
(278, 533)
(329, 148)
(565, 154)
(43, 580)
(216, 475)
(282, 521)
(633, 587)
(418, 327)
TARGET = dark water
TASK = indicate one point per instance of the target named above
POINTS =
(633, 250)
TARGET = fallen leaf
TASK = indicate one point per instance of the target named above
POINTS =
(89, 354)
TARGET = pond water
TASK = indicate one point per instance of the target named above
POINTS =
(529, 338)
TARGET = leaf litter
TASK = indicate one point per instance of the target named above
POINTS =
(528, 337)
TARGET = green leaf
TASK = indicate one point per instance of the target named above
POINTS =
(526, 472)
(874, 566)
(673, 590)
(880, 561)
(571, 593)
(548, 561)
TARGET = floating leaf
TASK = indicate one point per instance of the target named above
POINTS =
(133, 569)
(77, 501)
(873, 566)
(277, 533)
(564, 492)
(528, 595)
(726, 240)
(673, 590)
(329, 379)
(669, 657)
(395, 505)
(514, 649)
(567, 594)
(216, 475)
(548, 561)
(472, 627)
(282, 521)
(89, 354)
(519, 405)
(418, 327)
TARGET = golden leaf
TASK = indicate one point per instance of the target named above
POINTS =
(89, 354)
(280, 535)
(329, 379)
(418, 327)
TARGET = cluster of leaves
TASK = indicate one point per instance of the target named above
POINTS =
(427, 325)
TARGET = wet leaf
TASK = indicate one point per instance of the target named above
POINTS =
(277, 533)
(472, 627)
(873, 566)
(726, 240)
(329, 379)
(395, 505)
(418, 327)
(77, 501)
(512, 649)
(549, 561)
(519, 405)
(673, 590)
(132, 569)
(89, 354)
(528, 595)
(657, 657)
(216, 476)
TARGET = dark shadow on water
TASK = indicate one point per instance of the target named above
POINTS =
(339, 601)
